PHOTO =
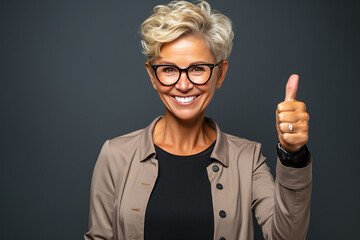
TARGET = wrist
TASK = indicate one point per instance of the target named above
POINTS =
(298, 159)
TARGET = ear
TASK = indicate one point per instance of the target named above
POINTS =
(151, 74)
(223, 69)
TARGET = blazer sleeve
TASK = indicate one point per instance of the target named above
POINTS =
(101, 198)
(282, 208)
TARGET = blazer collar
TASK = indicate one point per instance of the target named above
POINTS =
(220, 152)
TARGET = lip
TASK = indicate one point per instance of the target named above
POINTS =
(188, 103)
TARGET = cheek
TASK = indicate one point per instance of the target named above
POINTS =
(208, 89)
(162, 89)
(214, 78)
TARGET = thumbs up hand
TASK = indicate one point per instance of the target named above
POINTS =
(292, 120)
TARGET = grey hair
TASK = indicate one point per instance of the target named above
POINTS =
(178, 18)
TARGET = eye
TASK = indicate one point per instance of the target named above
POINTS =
(198, 69)
(168, 70)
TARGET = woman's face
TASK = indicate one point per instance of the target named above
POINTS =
(185, 100)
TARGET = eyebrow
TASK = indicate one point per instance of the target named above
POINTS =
(171, 63)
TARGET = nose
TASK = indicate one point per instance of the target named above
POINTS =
(184, 84)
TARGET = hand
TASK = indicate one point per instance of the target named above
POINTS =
(292, 112)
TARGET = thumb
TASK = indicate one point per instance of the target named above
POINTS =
(291, 87)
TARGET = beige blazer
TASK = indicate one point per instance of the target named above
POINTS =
(126, 171)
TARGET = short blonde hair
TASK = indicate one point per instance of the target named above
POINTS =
(178, 18)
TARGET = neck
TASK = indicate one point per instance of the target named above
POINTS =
(183, 137)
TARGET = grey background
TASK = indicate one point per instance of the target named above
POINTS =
(72, 75)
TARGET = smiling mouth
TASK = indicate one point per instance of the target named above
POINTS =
(185, 99)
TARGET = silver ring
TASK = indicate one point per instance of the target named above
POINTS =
(291, 127)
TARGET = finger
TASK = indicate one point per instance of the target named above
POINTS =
(294, 138)
(291, 87)
(291, 106)
(293, 117)
(296, 128)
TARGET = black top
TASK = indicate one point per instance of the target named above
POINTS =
(180, 205)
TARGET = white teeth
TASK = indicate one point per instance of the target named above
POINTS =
(185, 99)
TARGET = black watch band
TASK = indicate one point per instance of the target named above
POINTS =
(298, 159)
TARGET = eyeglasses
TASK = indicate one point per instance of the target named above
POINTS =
(198, 74)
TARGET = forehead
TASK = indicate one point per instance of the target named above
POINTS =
(185, 50)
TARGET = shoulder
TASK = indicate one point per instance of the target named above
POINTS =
(233, 142)
(126, 143)
(134, 145)
(246, 153)
(127, 138)
(241, 144)
(117, 153)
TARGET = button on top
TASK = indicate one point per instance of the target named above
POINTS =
(219, 186)
(222, 238)
(222, 214)
(215, 168)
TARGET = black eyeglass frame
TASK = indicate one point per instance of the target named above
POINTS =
(212, 66)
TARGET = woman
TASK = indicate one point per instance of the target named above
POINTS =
(182, 177)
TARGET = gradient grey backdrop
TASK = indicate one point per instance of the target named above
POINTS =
(72, 75)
